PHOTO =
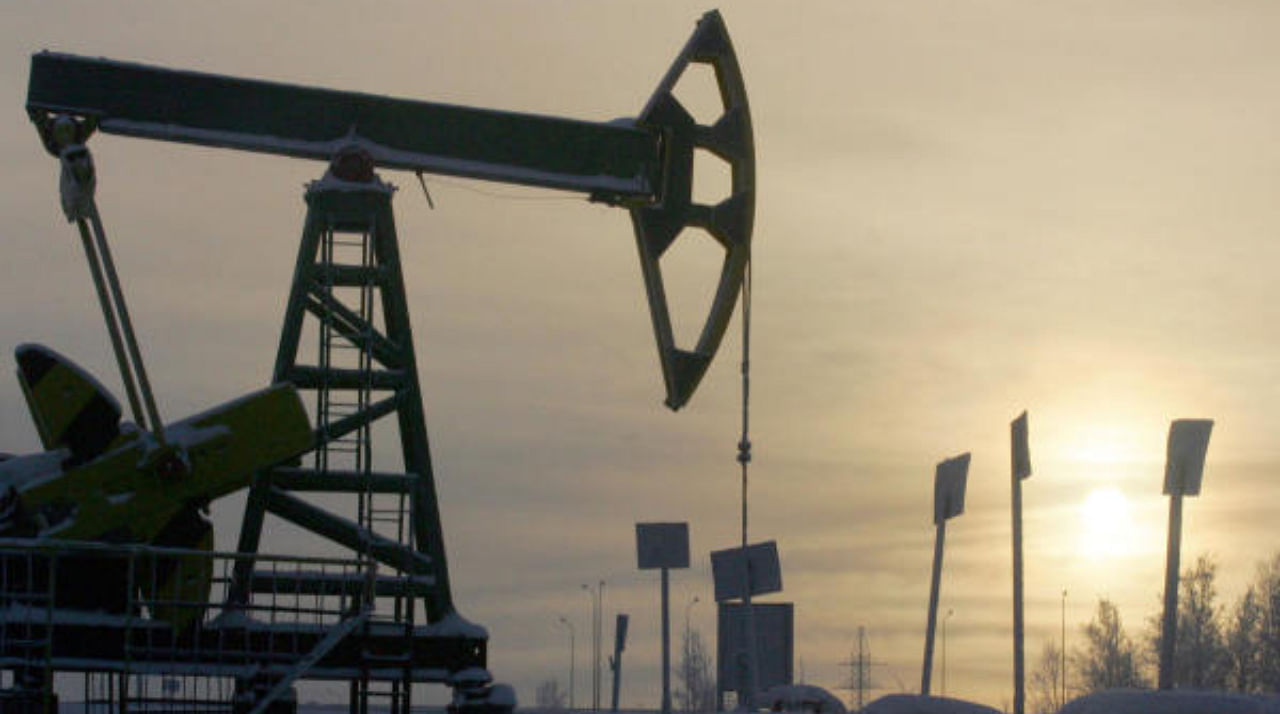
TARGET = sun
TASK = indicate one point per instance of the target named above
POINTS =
(1106, 524)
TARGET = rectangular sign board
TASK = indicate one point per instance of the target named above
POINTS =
(620, 632)
(1184, 463)
(948, 488)
(662, 545)
(775, 645)
(1021, 451)
(728, 569)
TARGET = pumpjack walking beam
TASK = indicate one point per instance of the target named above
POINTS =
(644, 165)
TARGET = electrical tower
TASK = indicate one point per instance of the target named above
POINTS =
(860, 664)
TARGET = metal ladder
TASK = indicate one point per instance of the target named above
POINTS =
(352, 253)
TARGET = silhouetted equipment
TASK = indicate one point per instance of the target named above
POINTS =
(273, 620)
(948, 502)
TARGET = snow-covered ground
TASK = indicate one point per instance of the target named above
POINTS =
(1146, 702)
(916, 704)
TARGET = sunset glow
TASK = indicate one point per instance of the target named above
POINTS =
(1106, 524)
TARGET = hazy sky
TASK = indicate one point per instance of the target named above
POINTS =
(965, 209)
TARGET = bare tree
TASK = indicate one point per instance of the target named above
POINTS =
(550, 695)
(1244, 632)
(1046, 680)
(696, 685)
(1108, 659)
(1267, 585)
(1200, 658)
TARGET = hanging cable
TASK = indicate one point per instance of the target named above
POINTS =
(747, 696)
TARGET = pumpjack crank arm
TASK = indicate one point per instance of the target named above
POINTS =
(644, 165)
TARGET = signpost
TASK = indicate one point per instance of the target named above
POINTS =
(615, 662)
(729, 570)
(1020, 469)
(773, 651)
(740, 573)
(1183, 471)
(948, 502)
(662, 546)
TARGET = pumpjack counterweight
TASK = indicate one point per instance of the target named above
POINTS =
(361, 611)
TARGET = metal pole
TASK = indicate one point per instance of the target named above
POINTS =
(595, 637)
(126, 325)
(569, 625)
(1169, 630)
(113, 329)
(932, 625)
(619, 642)
(1063, 674)
(1019, 692)
(686, 643)
(950, 612)
(599, 645)
(746, 699)
(862, 664)
(666, 643)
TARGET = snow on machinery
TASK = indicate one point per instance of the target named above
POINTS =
(348, 283)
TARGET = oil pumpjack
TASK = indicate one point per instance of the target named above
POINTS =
(179, 626)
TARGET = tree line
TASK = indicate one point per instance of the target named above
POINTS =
(1226, 647)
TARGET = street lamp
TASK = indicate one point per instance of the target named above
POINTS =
(597, 608)
(1063, 673)
(569, 625)
(946, 617)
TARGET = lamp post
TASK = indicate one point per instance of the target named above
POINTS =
(1063, 673)
(569, 625)
(946, 617)
(597, 606)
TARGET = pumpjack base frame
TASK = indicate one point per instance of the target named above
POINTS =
(308, 619)
(76, 646)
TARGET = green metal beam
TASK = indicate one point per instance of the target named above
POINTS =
(300, 479)
(612, 159)
(347, 533)
(304, 377)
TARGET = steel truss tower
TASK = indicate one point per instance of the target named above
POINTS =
(348, 283)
